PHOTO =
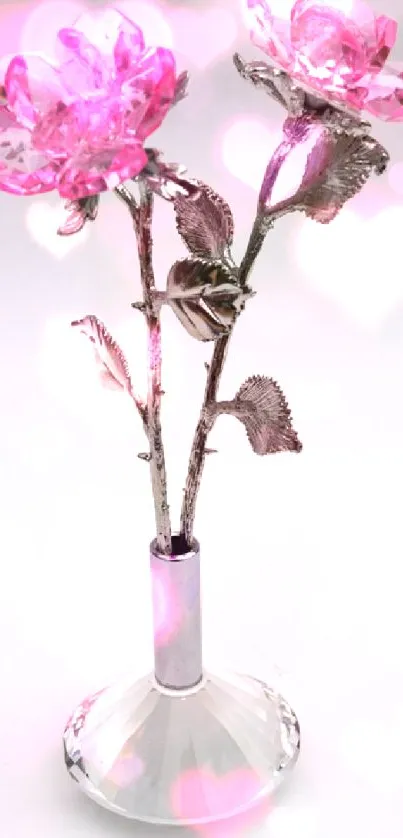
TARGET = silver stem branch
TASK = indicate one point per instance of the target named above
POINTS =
(262, 224)
(142, 224)
(142, 219)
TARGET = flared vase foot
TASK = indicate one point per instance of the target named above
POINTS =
(182, 757)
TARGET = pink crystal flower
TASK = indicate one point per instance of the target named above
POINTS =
(336, 49)
(79, 126)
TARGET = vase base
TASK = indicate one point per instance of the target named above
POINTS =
(185, 757)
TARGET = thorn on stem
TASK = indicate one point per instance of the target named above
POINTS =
(211, 451)
(144, 456)
(207, 366)
(139, 307)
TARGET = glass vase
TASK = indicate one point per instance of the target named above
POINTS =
(182, 745)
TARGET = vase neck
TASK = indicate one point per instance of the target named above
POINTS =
(177, 618)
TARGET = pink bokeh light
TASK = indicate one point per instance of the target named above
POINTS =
(43, 219)
(167, 610)
(68, 372)
(203, 36)
(281, 9)
(126, 769)
(246, 146)
(36, 27)
(13, 17)
(246, 149)
(395, 178)
(151, 19)
(354, 261)
(42, 446)
(42, 23)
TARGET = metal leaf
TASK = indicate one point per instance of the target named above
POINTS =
(344, 122)
(205, 297)
(336, 170)
(112, 364)
(274, 82)
(79, 212)
(205, 222)
(262, 408)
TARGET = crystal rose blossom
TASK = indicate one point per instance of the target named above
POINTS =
(336, 49)
(78, 126)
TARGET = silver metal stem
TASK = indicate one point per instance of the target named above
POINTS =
(177, 616)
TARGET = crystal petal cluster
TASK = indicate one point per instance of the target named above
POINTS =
(78, 126)
(336, 50)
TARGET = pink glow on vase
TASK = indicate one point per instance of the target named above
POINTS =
(201, 794)
(336, 48)
(204, 36)
(78, 126)
(167, 610)
(126, 769)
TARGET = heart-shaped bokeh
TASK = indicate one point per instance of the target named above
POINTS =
(43, 220)
(354, 261)
(203, 36)
(42, 21)
(246, 147)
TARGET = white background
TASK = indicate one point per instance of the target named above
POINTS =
(301, 554)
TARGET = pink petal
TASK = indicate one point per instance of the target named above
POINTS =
(88, 118)
(80, 61)
(332, 91)
(60, 130)
(354, 13)
(150, 91)
(385, 95)
(329, 46)
(33, 88)
(129, 45)
(270, 28)
(117, 39)
(23, 170)
(386, 34)
(334, 49)
(91, 173)
(17, 91)
(99, 45)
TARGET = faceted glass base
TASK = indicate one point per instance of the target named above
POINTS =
(183, 757)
